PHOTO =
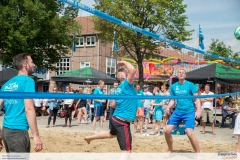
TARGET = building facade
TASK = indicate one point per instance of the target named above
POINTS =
(90, 52)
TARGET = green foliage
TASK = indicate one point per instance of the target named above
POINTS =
(219, 48)
(40, 27)
(158, 16)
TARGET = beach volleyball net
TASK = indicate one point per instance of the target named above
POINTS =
(174, 54)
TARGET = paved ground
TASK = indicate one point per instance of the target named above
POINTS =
(222, 134)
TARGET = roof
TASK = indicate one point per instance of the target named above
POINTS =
(185, 57)
(82, 75)
(88, 29)
(87, 25)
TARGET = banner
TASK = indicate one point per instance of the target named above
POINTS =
(152, 70)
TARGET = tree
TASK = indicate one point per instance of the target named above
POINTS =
(40, 27)
(158, 16)
(219, 48)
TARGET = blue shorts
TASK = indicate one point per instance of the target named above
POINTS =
(146, 112)
(187, 118)
(98, 111)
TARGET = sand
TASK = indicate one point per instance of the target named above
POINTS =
(59, 140)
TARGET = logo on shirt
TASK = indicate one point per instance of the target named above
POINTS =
(177, 89)
(181, 92)
(118, 91)
(11, 87)
(10, 101)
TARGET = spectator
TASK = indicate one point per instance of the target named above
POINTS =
(207, 109)
(60, 90)
(88, 106)
(54, 106)
(98, 109)
(45, 107)
(38, 106)
(109, 105)
(104, 105)
(68, 108)
(75, 111)
(227, 111)
(81, 107)
(164, 92)
(147, 106)
(157, 111)
(92, 106)
(140, 110)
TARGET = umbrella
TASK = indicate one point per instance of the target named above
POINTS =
(84, 75)
(216, 73)
(8, 73)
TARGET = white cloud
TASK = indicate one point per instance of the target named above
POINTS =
(234, 44)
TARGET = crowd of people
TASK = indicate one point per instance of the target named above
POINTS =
(20, 114)
(93, 110)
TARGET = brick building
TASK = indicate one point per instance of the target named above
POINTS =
(91, 52)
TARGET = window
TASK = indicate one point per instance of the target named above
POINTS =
(111, 66)
(63, 65)
(84, 64)
(45, 87)
(79, 41)
(91, 41)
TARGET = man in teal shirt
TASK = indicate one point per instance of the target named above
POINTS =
(125, 110)
(98, 109)
(185, 110)
(20, 113)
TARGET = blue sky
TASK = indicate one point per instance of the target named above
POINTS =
(218, 19)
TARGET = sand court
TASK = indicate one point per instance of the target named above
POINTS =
(64, 139)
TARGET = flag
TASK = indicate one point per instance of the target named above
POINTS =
(115, 44)
(74, 44)
(201, 38)
(74, 47)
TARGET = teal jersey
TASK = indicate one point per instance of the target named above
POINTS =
(126, 108)
(140, 103)
(98, 91)
(15, 116)
(186, 89)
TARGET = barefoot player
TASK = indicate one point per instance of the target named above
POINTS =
(185, 110)
(125, 110)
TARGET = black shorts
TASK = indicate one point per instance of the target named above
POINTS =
(121, 129)
(81, 105)
(104, 107)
